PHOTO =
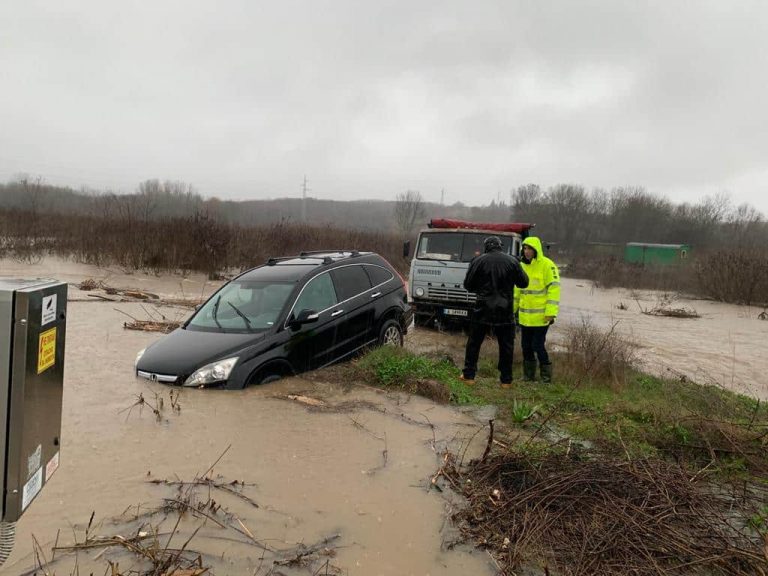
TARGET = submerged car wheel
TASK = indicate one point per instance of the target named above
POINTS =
(272, 373)
(391, 334)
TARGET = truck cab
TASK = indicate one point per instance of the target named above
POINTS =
(443, 253)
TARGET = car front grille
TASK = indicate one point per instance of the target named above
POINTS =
(450, 294)
(164, 378)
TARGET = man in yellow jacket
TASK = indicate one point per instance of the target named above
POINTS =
(536, 307)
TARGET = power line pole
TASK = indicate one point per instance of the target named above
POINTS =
(304, 191)
(442, 197)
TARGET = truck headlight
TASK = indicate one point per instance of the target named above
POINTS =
(419, 292)
(217, 371)
(138, 357)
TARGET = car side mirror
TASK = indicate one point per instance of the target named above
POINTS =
(406, 249)
(304, 317)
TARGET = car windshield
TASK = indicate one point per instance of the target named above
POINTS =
(243, 306)
(455, 247)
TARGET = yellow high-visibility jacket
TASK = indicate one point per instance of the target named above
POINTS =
(542, 296)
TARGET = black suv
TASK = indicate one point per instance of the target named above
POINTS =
(290, 315)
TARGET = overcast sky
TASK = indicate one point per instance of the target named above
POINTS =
(242, 98)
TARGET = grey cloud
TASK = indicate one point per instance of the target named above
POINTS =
(243, 98)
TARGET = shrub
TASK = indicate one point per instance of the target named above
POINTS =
(734, 276)
(595, 352)
(200, 242)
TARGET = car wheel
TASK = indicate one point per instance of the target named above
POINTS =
(269, 378)
(391, 334)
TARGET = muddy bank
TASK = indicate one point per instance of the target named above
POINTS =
(317, 472)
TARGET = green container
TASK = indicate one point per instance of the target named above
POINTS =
(659, 254)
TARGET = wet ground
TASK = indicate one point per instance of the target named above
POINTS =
(317, 471)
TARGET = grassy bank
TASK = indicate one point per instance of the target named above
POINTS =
(605, 471)
(637, 415)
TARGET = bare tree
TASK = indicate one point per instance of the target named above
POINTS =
(33, 193)
(409, 208)
(568, 206)
(745, 228)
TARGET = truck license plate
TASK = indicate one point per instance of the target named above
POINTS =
(454, 312)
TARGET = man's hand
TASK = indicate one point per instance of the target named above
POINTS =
(550, 319)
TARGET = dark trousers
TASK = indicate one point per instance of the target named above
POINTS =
(505, 335)
(534, 339)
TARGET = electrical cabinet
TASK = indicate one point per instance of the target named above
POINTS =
(33, 315)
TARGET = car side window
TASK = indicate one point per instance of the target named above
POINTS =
(350, 281)
(318, 295)
(378, 274)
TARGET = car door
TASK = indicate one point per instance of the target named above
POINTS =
(315, 344)
(381, 294)
(356, 321)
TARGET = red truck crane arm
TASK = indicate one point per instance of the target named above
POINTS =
(517, 227)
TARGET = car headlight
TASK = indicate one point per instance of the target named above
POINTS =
(419, 292)
(138, 357)
(217, 371)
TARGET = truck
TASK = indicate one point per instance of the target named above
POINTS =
(443, 253)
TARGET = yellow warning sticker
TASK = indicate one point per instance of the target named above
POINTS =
(46, 355)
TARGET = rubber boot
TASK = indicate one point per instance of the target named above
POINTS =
(529, 371)
(546, 372)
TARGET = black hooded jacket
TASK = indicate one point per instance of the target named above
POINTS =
(493, 277)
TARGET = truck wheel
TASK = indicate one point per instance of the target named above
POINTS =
(391, 334)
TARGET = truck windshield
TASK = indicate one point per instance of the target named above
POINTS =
(455, 246)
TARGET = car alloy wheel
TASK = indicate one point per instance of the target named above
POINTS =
(392, 336)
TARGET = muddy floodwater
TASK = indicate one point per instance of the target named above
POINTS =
(317, 472)
(726, 346)
(354, 469)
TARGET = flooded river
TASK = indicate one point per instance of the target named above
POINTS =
(726, 346)
(317, 472)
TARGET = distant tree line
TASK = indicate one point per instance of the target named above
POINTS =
(570, 216)
(730, 243)
(155, 199)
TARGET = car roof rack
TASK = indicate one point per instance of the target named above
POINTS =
(273, 260)
(327, 256)
(315, 252)
(330, 253)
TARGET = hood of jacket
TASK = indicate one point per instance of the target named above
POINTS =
(534, 243)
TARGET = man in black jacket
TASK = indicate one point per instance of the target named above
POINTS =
(493, 277)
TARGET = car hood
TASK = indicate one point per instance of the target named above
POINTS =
(183, 351)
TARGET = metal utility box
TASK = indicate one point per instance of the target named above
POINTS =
(32, 334)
